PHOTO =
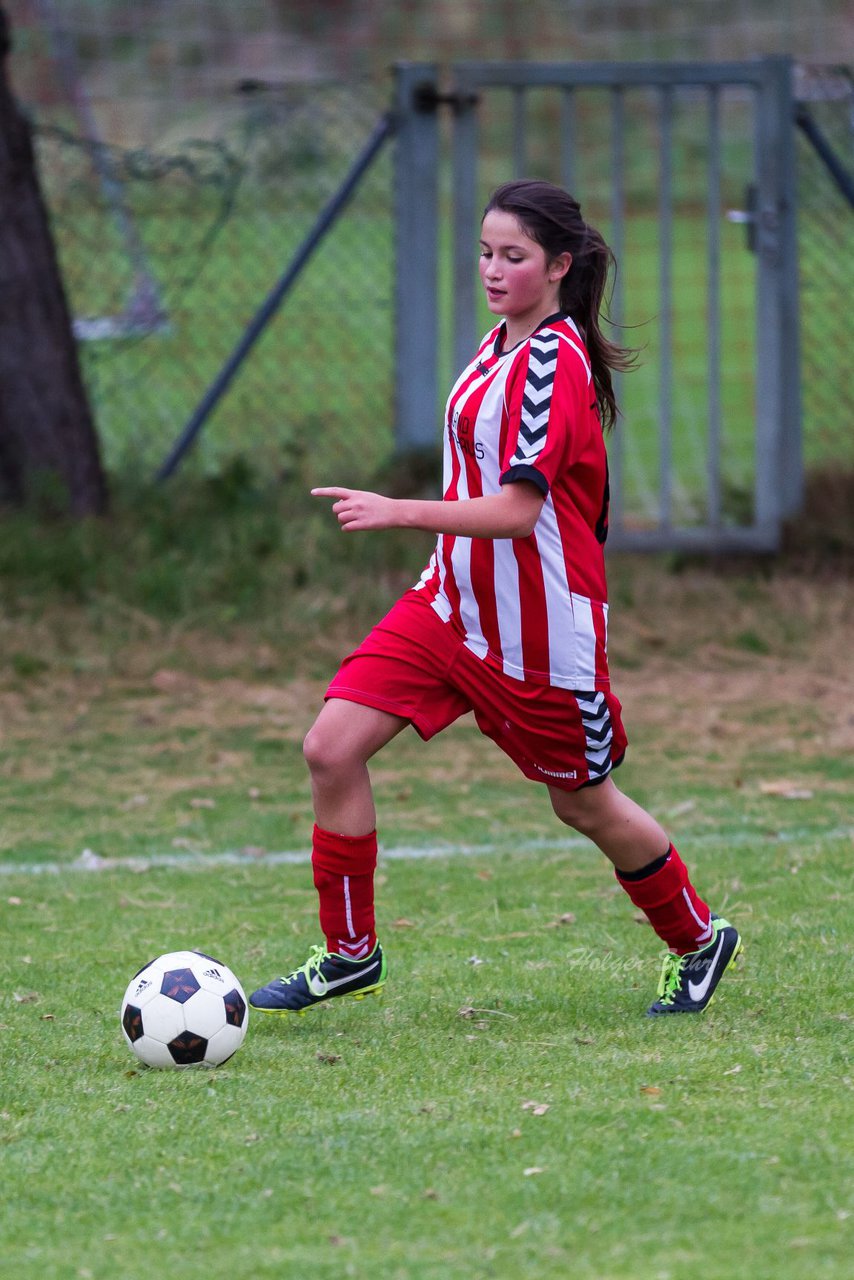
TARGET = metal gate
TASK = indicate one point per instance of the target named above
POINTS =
(688, 170)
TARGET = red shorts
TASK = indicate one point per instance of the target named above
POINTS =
(414, 665)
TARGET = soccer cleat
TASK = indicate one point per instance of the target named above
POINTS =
(687, 983)
(323, 976)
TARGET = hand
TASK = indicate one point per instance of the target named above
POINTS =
(358, 509)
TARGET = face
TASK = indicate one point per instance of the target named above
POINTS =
(521, 283)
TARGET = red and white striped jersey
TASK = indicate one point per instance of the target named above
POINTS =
(536, 607)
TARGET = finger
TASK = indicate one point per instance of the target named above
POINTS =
(333, 492)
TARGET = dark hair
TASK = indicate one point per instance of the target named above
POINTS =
(552, 218)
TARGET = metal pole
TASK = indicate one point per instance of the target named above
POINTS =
(416, 198)
(617, 306)
(466, 222)
(840, 175)
(665, 289)
(779, 452)
(567, 138)
(713, 306)
(520, 129)
(770, 374)
(383, 130)
(792, 450)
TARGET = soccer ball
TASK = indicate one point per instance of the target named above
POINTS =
(184, 1009)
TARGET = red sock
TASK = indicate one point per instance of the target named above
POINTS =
(671, 904)
(344, 878)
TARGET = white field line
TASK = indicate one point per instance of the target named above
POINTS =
(188, 860)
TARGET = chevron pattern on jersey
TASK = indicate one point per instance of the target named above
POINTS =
(598, 732)
(536, 398)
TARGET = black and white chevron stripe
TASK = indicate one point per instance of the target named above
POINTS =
(536, 397)
(598, 732)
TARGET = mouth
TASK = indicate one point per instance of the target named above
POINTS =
(495, 295)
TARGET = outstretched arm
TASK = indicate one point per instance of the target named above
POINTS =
(511, 513)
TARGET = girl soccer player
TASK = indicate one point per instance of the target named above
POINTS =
(509, 619)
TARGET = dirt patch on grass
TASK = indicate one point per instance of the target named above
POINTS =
(710, 664)
(706, 665)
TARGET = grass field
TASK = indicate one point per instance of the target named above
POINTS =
(505, 1110)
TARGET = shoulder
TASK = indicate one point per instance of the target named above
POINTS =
(569, 352)
(556, 351)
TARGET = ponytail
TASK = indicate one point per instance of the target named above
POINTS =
(582, 295)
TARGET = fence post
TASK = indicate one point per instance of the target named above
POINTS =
(464, 170)
(791, 436)
(416, 190)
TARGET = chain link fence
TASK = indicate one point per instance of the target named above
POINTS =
(826, 260)
(179, 193)
(167, 253)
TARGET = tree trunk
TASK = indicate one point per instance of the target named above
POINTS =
(48, 444)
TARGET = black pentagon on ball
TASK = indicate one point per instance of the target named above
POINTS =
(179, 984)
(132, 1022)
(188, 1048)
(235, 1008)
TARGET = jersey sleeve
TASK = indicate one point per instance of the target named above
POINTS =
(542, 405)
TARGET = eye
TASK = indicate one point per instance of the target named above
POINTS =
(510, 258)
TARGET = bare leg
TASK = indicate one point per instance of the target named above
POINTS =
(625, 832)
(337, 749)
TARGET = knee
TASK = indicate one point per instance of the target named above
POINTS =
(318, 750)
(578, 809)
(327, 753)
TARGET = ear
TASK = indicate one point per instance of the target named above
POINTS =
(559, 266)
